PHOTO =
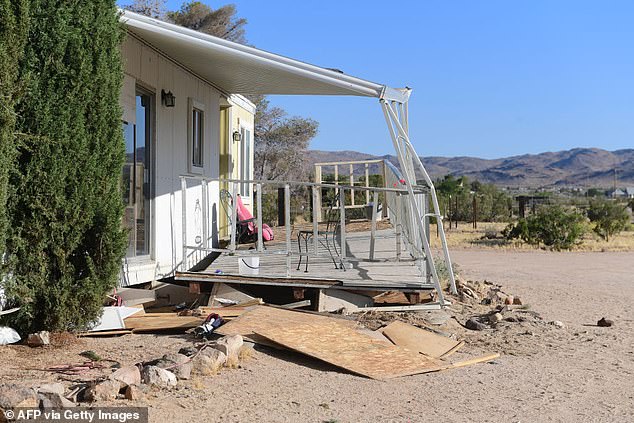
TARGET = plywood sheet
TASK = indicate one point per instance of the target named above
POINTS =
(345, 347)
(272, 317)
(420, 340)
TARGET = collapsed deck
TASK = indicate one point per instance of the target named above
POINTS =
(322, 249)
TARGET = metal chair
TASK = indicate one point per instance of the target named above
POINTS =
(325, 237)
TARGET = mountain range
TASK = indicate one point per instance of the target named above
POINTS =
(579, 167)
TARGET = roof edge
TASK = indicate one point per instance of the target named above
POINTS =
(361, 86)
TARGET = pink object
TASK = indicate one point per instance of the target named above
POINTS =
(244, 214)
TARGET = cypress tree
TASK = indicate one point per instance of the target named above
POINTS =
(13, 24)
(65, 241)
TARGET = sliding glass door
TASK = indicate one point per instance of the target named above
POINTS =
(137, 175)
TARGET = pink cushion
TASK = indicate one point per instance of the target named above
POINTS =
(244, 214)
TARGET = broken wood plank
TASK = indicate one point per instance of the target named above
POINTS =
(143, 324)
(105, 333)
(298, 304)
(244, 304)
(420, 340)
(11, 310)
(476, 360)
(224, 311)
(415, 307)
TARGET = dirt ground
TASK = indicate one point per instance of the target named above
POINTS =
(580, 372)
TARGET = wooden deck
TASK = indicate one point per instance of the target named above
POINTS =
(385, 272)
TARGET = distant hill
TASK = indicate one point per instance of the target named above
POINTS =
(579, 167)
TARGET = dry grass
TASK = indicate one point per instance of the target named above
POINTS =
(467, 237)
(246, 352)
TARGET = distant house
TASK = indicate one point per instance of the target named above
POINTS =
(616, 193)
(629, 192)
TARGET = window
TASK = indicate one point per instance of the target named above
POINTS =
(245, 161)
(196, 136)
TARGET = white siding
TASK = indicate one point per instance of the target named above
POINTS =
(144, 66)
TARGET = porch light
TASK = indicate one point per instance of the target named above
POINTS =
(237, 136)
(168, 98)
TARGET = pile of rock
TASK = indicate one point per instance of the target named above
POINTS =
(484, 292)
(131, 382)
(502, 314)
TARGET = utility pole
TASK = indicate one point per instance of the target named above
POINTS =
(475, 212)
(614, 187)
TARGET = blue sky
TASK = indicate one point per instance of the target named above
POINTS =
(490, 78)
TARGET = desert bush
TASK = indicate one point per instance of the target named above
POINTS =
(557, 227)
(456, 196)
(65, 241)
(609, 217)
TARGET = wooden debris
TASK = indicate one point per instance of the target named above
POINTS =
(298, 304)
(265, 316)
(11, 310)
(414, 307)
(420, 340)
(118, 332)
(344, 347)
(244, 304)
(166, 321)
(476, 360)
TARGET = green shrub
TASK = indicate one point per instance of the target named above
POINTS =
(13, 27)
(65, 240)
(609, 217)
(554, 226)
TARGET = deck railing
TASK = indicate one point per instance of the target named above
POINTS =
(205, 235)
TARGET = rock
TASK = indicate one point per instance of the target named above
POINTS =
(495, 317)
(54, 400)
(517, 301)
(208, 362)
(512, 319)
(126, 376)
(230, 346)
(497, 297)
(155, 376)
(179, 364)
(437, 319)
(52, 388)
(558, 324)
(39, 339)
(134, 393)
(509, 300)
(15, 396)
(605, 323)
(103, 391)
(474, 324)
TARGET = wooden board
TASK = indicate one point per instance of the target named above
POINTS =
(106, 333)
(345, 347)
(420, 340)
(265, 316)
(166, 322)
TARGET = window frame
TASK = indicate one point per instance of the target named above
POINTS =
(194, 105)
(246, 152)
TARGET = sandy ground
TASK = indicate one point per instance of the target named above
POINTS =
(578, 373)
